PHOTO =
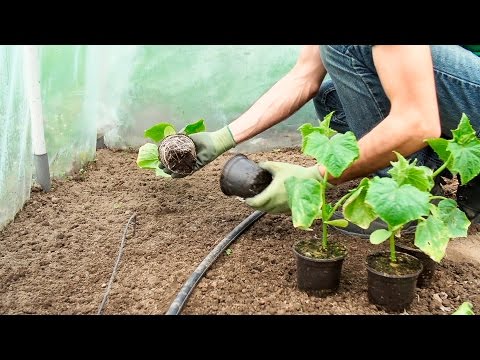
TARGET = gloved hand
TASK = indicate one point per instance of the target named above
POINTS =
(274, 198)
(208, 145)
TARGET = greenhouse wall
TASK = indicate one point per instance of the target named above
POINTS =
(118, 91)
(15, 140)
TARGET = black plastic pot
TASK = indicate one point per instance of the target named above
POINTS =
(429, 265)
(393, 293)
(243, 177)
(321, 276)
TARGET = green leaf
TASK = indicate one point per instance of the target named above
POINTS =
(396, 205)
(440, 147)
(147, 157)
(160, 172)
(326, 120)
(159, 131)
(195, 127)
(379, 236)
(405, 172)
(336, 153)
(325, 125)
(323, 128)
(307, 129)
(466, 159)
(464, 133)
(464, 149)
(338, 223)
(305, 200)
(432, 238)
(455, 219)
(356, 210)
(314, 143)
(465, 309)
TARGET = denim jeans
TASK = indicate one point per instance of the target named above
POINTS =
(353, 90)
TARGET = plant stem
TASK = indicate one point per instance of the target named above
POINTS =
(393, 255)
(324, 211)
(340, 202)
(441, 168)
(438, 197)
(324, 235)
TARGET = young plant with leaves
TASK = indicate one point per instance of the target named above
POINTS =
(307, 197)
(407, 197)
(174, 150)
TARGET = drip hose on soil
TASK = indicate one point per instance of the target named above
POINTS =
(115, 267)
(190, 284)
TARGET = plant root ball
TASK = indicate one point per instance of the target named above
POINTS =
(177, 153)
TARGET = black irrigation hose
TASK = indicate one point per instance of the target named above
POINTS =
(119, 256)
(190, 284)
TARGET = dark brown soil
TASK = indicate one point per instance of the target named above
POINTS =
(404, 265)
(177, 153)
(313, 248)
(57, 256)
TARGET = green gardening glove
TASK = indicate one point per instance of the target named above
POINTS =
(274, 198)
(209, 145)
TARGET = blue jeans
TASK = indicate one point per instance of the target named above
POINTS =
(353, 90)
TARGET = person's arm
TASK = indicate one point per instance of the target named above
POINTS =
(290, 93)
(406, 74)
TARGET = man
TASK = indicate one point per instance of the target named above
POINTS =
(392, 97)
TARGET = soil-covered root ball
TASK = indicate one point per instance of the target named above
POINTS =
(177, 153)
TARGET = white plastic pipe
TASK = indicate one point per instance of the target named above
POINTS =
(31, 67)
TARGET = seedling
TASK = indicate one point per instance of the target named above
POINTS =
(307, 197)
(176, 151)
(406, 196)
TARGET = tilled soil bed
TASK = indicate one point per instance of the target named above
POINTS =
(57, 256)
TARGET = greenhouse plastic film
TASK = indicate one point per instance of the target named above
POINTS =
(181, 84)
(115, 92)
(15, 145)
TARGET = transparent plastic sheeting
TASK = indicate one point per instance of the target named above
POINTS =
(15, 141)
(118, 91)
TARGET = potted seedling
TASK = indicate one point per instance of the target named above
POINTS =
(319, 261)
(460, 155)
(174, 150)
(407, 197)
(399, 200)
(420, 181)
(392, 275)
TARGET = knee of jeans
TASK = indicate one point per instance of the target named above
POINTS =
(321, 101)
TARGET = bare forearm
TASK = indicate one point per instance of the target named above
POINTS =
(281, 101)
(289, 94)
